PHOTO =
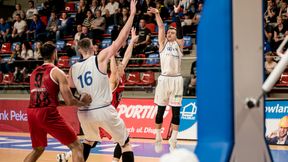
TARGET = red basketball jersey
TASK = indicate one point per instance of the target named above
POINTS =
(43, 90)
(117, 93)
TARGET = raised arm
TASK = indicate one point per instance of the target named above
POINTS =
(179, 30)
(59, 76)
(128, 52)
(161, 27)
(105, 55)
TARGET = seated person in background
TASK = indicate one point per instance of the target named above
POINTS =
(190, 86)
(196, 18)
(52, 26)
(270, 64)
(144, 38)
(65, 26)
(97, 26)
(89, 18)
(162, 10)
(4, 30)
(82, 12)
(36, 28)
(30, 12)
(26, 52)
(37, 54)
(279, 136)
(187, 24)
(18, 11)
(84, 33)
(19, 29)
(280, 31)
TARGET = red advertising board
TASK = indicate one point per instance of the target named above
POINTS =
(139, 117)
(13, 116)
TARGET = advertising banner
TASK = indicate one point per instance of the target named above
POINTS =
(276, 122)
(13, 116)
(139, 117)
(188, 119)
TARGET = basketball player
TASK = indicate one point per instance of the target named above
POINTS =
(117, 87)
(90, 76)
(43, 117)
(117, 84)
(169, 89)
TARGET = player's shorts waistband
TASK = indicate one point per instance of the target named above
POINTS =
(170, 75)
(100, 107)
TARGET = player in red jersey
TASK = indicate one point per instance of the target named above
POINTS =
(46, 82)
(117, 84)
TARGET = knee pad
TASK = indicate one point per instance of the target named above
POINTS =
(175, 115)
(160, 113)
(117, 151)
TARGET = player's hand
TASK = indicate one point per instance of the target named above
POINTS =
(177, 8)
(133, 4)
(153, 10)
(86, 98)
(134, 37)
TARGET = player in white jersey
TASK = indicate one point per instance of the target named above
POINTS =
(90, 76)
(169, 89)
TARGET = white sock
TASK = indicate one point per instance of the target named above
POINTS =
(174, 135)
(158, 134)
(68, 155)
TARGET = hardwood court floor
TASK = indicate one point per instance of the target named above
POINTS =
(15, 146)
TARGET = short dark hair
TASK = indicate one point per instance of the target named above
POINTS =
(84, 44)
(47, 50)
(31, 2)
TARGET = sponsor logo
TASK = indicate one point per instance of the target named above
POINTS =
(139, 111)
(188, 115)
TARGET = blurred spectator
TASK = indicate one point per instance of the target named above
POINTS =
(4, 30)
(196, 18)
(112, 7)
(123, 17)
(26, 52)
(81, 13)
(190, 86)
(268, 31)
(102, 7)
(87, 21)
(162, 10)
(78, 34)
(84, 33)
(144, 38)
(270, 64)
(64, 27)
(16, 53)
(19, 29)
(279, 136)
(94, 6)
(187, 24)
(18, 11)
(279, 33)
(56, 5)
(97, 26)
(52, 26)
(30, 12)
(270, 13)
(37, 54)
(36, 29)
(46, 10)
(123, 4)
(144, 8)
(169, 4)
(283, 10)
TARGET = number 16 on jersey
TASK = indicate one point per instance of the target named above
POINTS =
(86, 79)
